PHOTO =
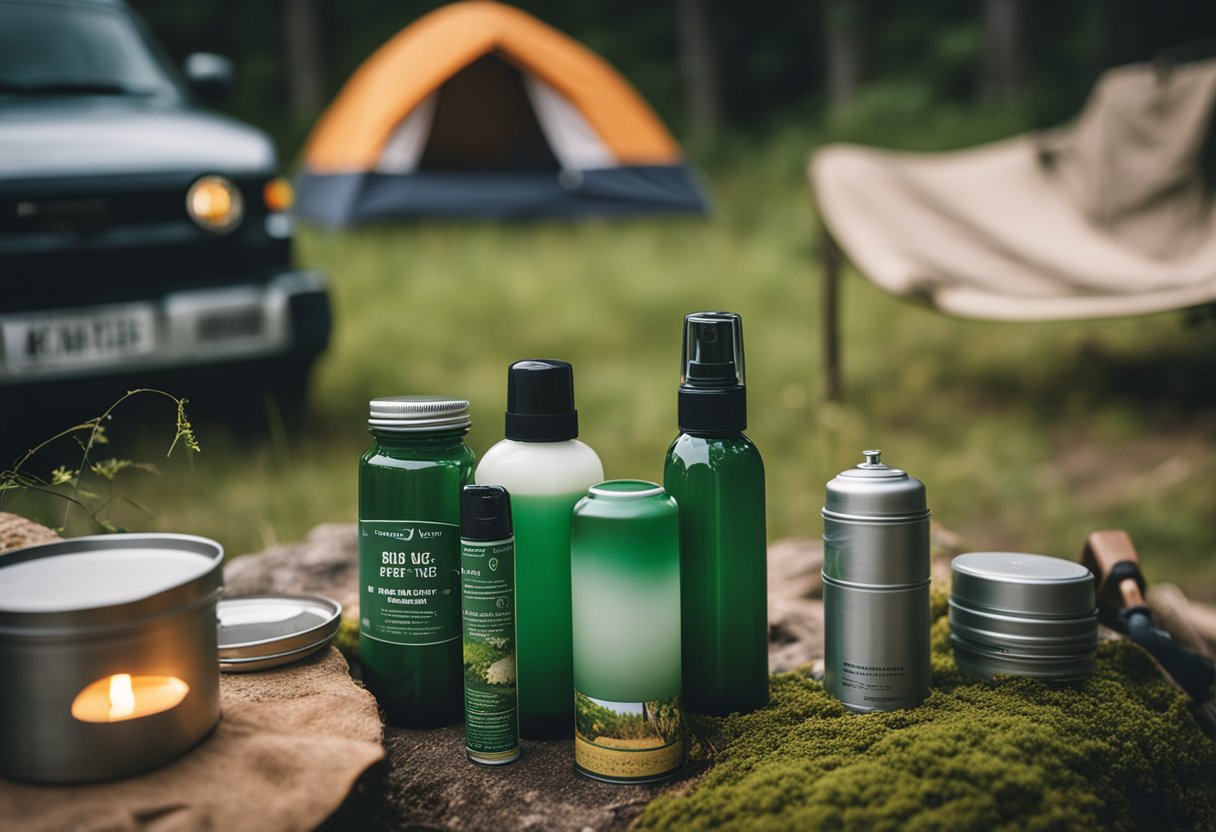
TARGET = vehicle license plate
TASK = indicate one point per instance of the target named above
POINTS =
(232, 323)
(94, 337)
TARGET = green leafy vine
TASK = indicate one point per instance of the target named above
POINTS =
(74, 485)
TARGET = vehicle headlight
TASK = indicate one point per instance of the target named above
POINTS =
(215, 203)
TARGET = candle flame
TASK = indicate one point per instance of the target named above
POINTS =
(122, 696)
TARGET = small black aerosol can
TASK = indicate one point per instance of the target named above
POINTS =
(487, 593)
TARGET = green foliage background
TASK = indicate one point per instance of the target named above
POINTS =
(771, 56)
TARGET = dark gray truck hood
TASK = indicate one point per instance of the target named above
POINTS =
(101, 136)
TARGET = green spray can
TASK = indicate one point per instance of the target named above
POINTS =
(487, 592)
(716, 475)
(409, 557)
(625, 570)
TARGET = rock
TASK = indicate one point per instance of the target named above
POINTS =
(943, 542)
(795, 608)
(431, 785)
(324, 563)
(944, 545)
(17, 532)
(795, 634)
(427, 783)
(793, 568)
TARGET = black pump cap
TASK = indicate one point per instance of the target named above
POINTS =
(713, 399)
(540, 401)
(485, 513)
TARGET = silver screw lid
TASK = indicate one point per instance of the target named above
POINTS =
(1022, 584)
(875, 490)
(418, 413)
(261, 631)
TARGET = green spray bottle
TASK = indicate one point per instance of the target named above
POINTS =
(716, 475)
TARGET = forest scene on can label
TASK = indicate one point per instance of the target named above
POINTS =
(270, 272)
(627, 725)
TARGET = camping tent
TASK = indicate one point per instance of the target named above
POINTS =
(480, 110)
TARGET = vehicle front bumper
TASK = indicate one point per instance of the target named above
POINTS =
(287, 315)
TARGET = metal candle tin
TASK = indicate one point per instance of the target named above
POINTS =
(625, 569)
(107, 654)
(876, 588)
(1027, 615)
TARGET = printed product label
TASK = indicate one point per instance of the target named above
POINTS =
(488, 612)
(628, 740)
(409, 581)
(875, 682)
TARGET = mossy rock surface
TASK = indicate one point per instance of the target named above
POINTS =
(1120, 751)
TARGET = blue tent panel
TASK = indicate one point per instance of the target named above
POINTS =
(351, 198)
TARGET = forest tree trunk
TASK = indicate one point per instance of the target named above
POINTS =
(305, 71)
(842, 35)
(699, 63)
(1003, 71)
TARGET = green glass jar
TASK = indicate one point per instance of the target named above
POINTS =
(625, 570)
(409, 557)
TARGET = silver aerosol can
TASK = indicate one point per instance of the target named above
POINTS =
(876, 588)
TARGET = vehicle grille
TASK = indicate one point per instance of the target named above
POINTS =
(67, 244)
(85, 212)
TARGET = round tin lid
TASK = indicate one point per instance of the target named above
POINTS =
(1021, 584)
(83, 583)
(874, 490)
(262, 631)
(418, 413)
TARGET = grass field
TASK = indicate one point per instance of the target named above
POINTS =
(1027, 435)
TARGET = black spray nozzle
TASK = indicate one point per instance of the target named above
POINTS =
(713, 350)
(712, 399)
(485, 512)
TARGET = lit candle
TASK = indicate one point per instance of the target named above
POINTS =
(123, 696)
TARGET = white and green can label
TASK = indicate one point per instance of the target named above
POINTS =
(488, 612)
(409, 581)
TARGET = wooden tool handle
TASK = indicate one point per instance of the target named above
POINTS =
(1104, 550)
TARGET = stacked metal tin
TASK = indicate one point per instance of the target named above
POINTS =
(1026, 615)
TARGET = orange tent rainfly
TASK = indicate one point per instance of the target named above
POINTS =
(480, 110)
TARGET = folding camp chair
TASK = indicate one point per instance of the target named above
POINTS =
(1109, 216)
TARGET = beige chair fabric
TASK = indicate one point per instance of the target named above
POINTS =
(1109, 216)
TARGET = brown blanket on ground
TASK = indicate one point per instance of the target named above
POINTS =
(289, 746)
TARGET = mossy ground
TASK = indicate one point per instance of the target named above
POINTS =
(1120, 751)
